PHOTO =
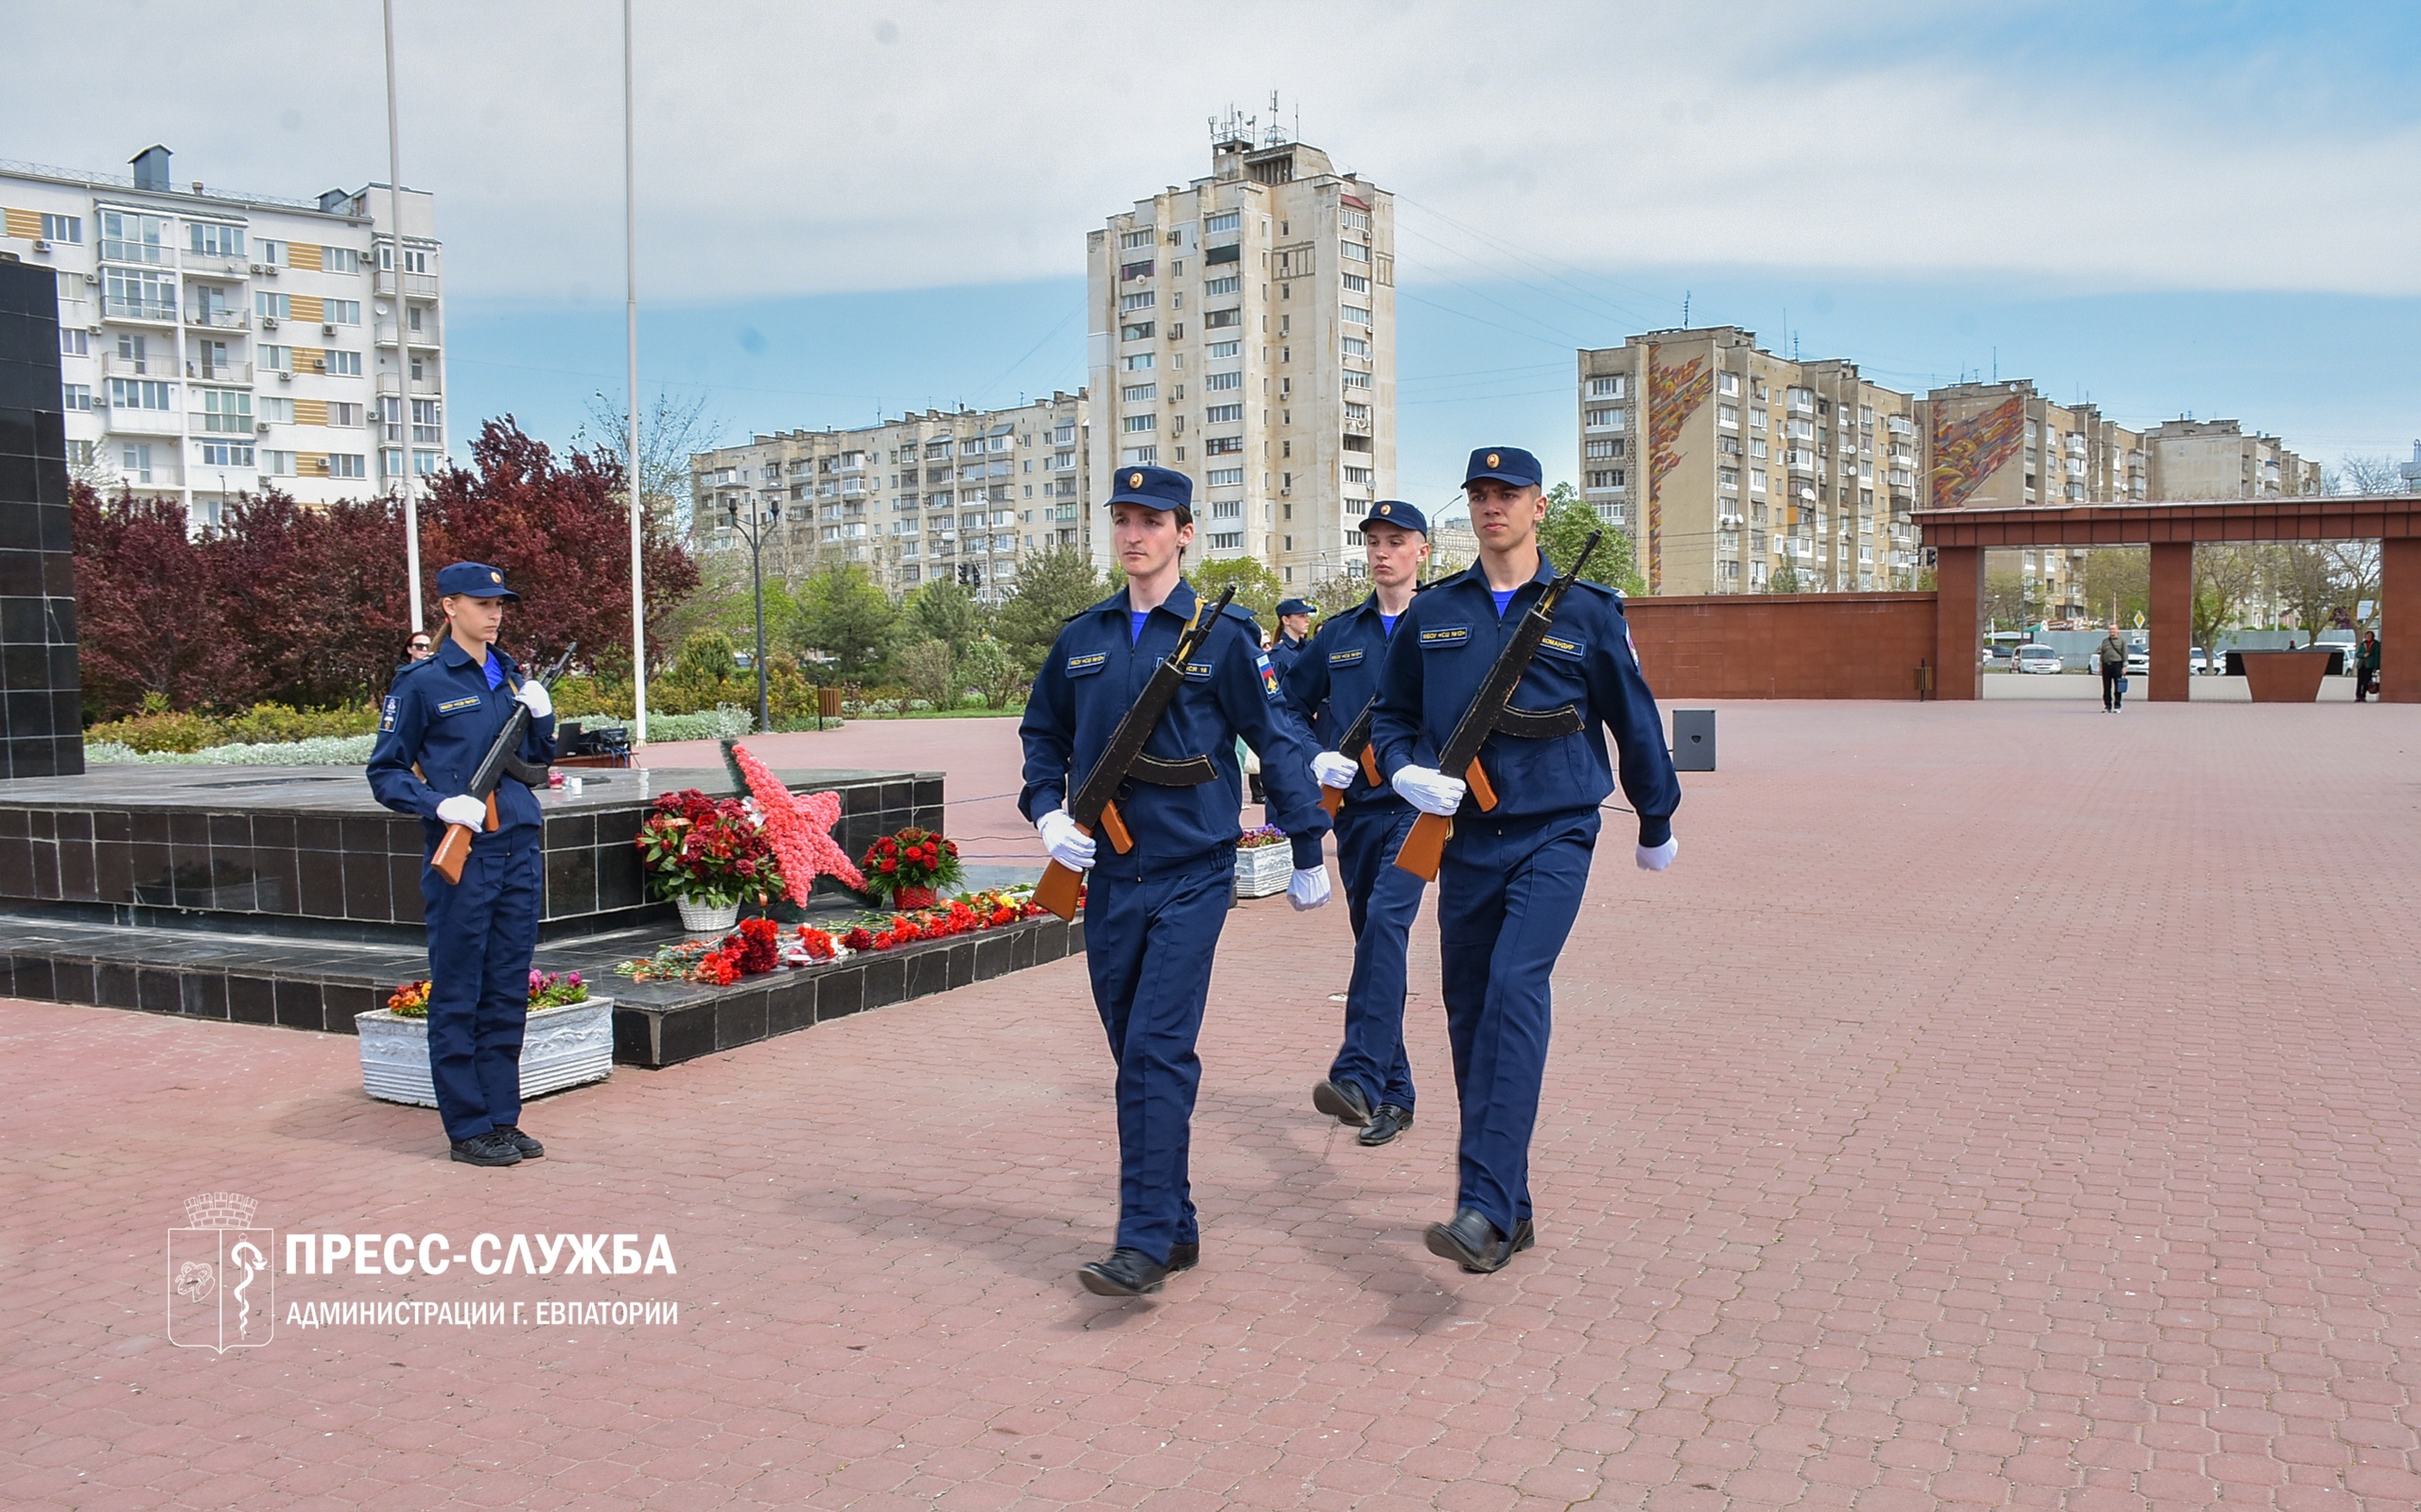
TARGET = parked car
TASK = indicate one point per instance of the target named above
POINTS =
(2140, 661)
(2032, 658)
(2340, 640)
(2197, 660)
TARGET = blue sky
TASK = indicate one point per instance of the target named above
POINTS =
(865, 205)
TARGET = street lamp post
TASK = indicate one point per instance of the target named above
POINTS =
(760, 523)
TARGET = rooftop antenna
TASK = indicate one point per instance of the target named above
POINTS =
(1685, 310)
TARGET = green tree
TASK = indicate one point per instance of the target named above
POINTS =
(843, 615)
(943, 611)
(1257, 587)
(708, 653)
(2119, 576)
(929, 669)
(1338, 594)
(1785, 577)
(1567, 528)
(1051, 586)
(988, 668)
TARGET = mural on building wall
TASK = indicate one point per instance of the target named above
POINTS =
(1674, 394)
(1965, 452)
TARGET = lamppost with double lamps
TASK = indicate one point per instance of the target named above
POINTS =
(760, 521)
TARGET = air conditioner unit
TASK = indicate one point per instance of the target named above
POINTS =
(258, 267)
(285, 377)
(92, 278)
(319, 365)
(328, 329)
(40, 245)
(261, 426)
(269, 322)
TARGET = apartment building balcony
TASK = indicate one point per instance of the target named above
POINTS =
(115, 366)
(217, 318)
(417, 286)
(130, 312)
(127, 421)
(220, 372)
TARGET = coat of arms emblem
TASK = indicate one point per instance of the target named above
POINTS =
(221, 1289)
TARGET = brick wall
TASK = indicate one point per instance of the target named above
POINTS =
(1810, 645)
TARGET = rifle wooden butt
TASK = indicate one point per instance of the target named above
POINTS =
(1057, 890)
(492, 819)
(1113, 824)
(1332, 799)
(1370, 766)
(1424, 847)
(1481, 792)
(452, 852)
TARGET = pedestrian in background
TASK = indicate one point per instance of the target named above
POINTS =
(2366, 668)
(2113, 655)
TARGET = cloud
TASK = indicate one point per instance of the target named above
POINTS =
(791, 149)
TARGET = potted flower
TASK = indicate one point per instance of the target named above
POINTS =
(1265, 862)
(709, 856)
(568, 1041)
(908, 868)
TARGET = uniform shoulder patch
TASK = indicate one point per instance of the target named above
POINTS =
(388, 713)
(1268, 675)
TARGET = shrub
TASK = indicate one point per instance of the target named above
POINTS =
(265, 723)
(148, 733)
(715, 724)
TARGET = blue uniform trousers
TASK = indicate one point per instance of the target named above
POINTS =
(1381, 900)
(1148, 943)
(1508, 892)
(482, 933)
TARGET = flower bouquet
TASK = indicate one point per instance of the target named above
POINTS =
(709, 856)
(548, 989)
(910, 867)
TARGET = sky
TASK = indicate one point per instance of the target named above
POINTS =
(849, 210)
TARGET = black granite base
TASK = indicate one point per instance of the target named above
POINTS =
(320, 986)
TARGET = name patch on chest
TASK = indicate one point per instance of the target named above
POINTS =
(1435, 635)
(1197, 670)
(1090, 662)
(456, 706)
(1345, 658)
(1561, 646)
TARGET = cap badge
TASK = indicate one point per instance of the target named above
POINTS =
(1386, 509)
(494, 576)
(1134, 480)
(1491, 459)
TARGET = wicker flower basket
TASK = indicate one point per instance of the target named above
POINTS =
(564, 1046)
(1263, 871)
(708, 918)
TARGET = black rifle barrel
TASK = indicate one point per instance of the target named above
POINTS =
(1100, 786)
(507, 743)
(1479, 721)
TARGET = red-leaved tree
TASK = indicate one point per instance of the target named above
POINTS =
(149, 615)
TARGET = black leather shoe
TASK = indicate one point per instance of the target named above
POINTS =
(1472, 1242)
(1388, 1122)
(1343, 1101)
(529, 1147)
(489, 1148)
(1125, 1273)
(1184, 1257)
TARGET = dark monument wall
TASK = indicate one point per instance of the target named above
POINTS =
(41, 706)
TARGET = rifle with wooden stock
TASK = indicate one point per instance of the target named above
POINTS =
(1355, 747)
(503, 760)
(1490, 711)
(1094, 803)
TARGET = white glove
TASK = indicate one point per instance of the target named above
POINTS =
(533, 693)
(465, 810)
(1656, 858)
(1069, 846)
(1429, 790)
(1334, 771)
(1308, 888)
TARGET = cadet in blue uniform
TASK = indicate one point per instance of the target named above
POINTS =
(1153, 915)
(1294, 632)
(440, 715)
(1511, 883)
(1369, 1085)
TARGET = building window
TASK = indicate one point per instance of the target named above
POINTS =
(1727, 415)
(1356, 284)
(131, 238)
(1226, 540)
(1224, 446)
(138, 393)
(427, 423)
(1221, 320)
(1356, 380)
(1129, 272)
(1218, 350)
(1224, 222)
(1139, 454)
(1609, 419)
(1225, 477)
(226, 454)
(1223, 415)
(208, 240)
(1140, 236)
(1611, 447)
(1129, 303)
(1354, 252)
(347, 465)
(1354, 315)
(62, 228)
(1353, 219)
(135, 459)
(225, 409)
(1136, 393)
(1358, 475)
(1728, 383)
(348, 312)
(1140, 331)
(76, 396)
(138, 293)
(1606, 388)
(1728, 477)
(1134, 424)
(1217, 382)
(1232, 284)
(1138, 362)
(1356, 414)
(74, 342)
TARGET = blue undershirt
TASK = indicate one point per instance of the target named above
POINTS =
(495, 669)
(1386, 622)
(1503, 598)
(1135, 624)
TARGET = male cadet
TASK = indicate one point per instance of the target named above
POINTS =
(1153, 914)
(1510, 882)
(1369, 1085)
(1294, 626)
(440, 715)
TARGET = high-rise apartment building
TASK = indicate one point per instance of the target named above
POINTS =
(210, 342)
(1242, 331)
(1737, 471)
(961, 494)
(2003, 446)
(2215, 459)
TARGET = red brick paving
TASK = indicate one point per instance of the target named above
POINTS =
(1998, 1105)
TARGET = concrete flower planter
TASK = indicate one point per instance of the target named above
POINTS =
(1263, 871)
(2284, 676)
(562, 1046)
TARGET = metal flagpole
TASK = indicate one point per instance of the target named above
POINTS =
(395, 212)
(631, 269)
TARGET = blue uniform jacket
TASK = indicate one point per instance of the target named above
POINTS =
(1443, 646)
(1093, 675)
(442, 716)
(1335, 676)
(1284, 654)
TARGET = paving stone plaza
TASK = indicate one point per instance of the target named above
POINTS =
(1998, 1104)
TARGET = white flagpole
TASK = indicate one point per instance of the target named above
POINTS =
(395, 212)
(631, 270)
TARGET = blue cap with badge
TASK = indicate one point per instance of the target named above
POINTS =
(1507, 464)
(1294, 606)
(472, 579)
(1156, 488)
(1397, 513)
